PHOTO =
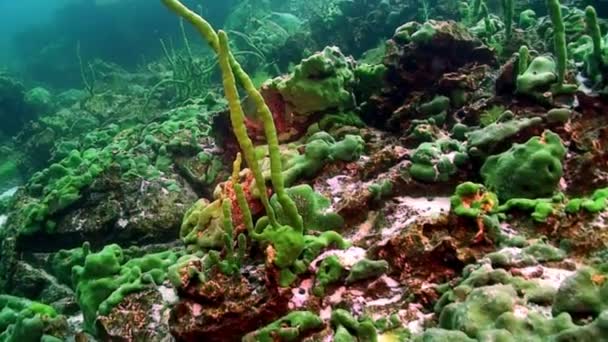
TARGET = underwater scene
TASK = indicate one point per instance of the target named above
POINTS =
(304, 170)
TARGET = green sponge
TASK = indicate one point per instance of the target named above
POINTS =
(107, 277)
(313, 207)
(438, 161)
(529, 170)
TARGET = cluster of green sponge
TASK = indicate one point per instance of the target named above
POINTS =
(324, 81)
(25, 320)
(284, 233)
(491, 304)
(137, 152)
(438, 161)
(320, 149)
(59, 187)
(331, 271)
(106, 277)
(292, 327)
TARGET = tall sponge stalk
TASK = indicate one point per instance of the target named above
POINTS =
(232, 70)
(594, 62)
(559, 42)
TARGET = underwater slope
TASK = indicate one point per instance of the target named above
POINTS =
(453, 189)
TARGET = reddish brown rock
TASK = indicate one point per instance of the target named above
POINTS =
(226, 308)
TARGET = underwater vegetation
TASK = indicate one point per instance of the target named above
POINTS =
(380, 170)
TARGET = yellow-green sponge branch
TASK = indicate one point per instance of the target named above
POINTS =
(245, 211)
(276, 169)
(237, 117)
(202, 26)
(232, 65)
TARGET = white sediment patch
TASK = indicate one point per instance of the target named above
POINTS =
(76, 323)
(168, 294)
(338, 186)
(347, 257)
(549, 276)
(9, 193)
(418, 207)
(414, 318)
(301, 294)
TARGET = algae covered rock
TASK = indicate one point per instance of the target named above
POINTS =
(443, 335)
(108, 276)
(480, 309)
(25, 320)
(584, 293)
(493, 305)
(39, 100)
(527, 170)
(321, 82)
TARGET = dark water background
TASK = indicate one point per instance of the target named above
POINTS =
(38, 38)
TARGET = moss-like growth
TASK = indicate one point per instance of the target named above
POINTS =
(594, 204)
(370, 80)
(366, 269)
(538, 77)
(63, 261)
(443, 335)
(541, 208)
(292, 327)
(345, 325)
(25, 320)
(424, 35)
(331, 121)
(381, 190)
(528, 256)
(139, 152)
(202, 226)
(330, 271)
(439, 104)
(438, 161)
(527, 170)
(485, 306)
(293, 252)
(60, 186)
(584, 293)
(480, 310)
